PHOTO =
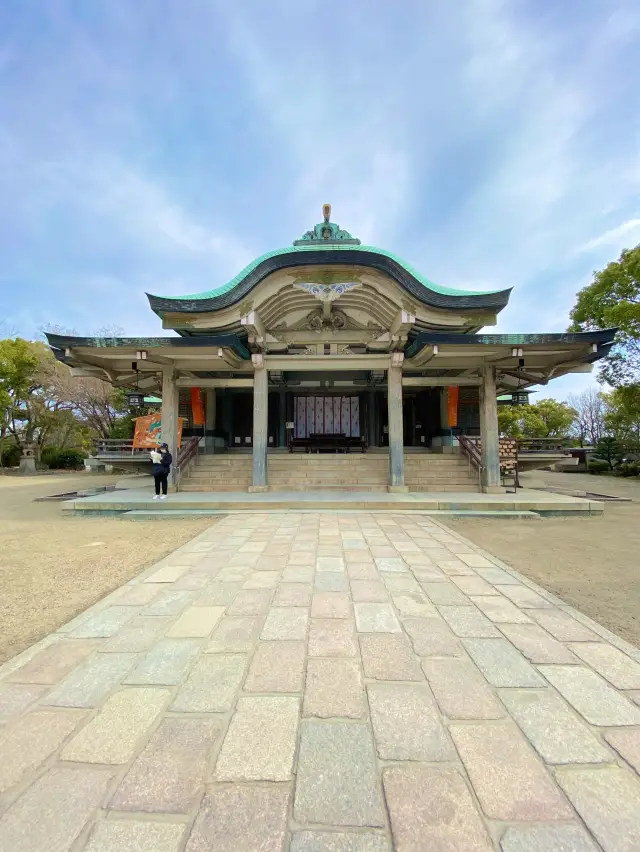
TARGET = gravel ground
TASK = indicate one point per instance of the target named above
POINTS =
(592, 563)
(53, 567)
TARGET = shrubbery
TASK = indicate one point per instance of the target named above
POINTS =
(598, 466)
(63, 459)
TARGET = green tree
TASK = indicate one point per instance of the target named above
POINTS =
(510, 421)
(18, 365)
(622, 418)
(548, 418)
(612, 300)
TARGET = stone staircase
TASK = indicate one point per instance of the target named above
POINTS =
(424, 472)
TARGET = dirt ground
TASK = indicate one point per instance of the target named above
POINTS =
(591, 562)
(53, 567)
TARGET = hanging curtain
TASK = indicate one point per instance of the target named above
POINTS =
(326, 415)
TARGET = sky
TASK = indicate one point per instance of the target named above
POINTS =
(160, 145)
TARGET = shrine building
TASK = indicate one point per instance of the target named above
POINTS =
(331, 348)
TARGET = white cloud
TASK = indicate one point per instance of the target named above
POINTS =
(622, 235)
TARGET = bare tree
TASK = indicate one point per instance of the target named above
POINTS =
(591, 407)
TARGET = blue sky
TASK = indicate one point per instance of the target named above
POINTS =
(159, 145)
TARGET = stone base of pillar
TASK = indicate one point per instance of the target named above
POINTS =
(258, 489)
(492, 489)
(397, 489)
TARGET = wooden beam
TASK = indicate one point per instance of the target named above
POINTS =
(188, 382)
(440, 381)
(324, 363)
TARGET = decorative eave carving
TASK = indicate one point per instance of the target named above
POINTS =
(326, 232)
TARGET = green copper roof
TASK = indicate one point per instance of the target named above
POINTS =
(331, 247)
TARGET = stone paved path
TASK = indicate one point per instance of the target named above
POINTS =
(315, 683)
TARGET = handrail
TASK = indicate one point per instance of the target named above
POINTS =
(186, 455)
(471, 450)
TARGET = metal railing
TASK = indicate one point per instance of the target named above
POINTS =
(469, 447)
(187, 455)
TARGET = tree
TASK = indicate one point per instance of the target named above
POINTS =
(510, 421)
(590, 407)
(18, 364)
(95, 402)
(548, 418)
(612, 300)
(622, 418)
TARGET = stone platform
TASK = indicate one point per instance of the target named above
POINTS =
(323, 683)
(540, 502)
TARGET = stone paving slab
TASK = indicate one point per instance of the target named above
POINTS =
(318, 682)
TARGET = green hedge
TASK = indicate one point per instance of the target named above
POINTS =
(63, 459)
(598, 466)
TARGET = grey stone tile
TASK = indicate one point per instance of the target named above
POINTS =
(334, 688)
(339, 841)
(446, 594)
(113, 736)
(592, 696)
(34, 822)
(608, 800)
(612, 664)
(362, 571)
(330, 637)
(626, 742)
(500, 610)
(331, 564)
(167, 573)
(400, 583)
(467, 621)
(406, 723)
(26, 744)
(247, 753)
(15, 698)
(137, 636)
(475, 586)
(553, 730)
(247, 819)
(496, 576)
(434, 803)
(137, 594)
(169, 773)
(293, 594)
(337, 781)
(234, 635)
(373, 591)
(501, 663)
(331, 582)
(414, 604)
(106, 622)
(387, 656)
(561, 625)
(221, 593)
(537, 645)
(510, 782)
(524, 597)
(51, 664)
(331, 605)
(460, 689)
(287, 622)
(166, 663)
(196, 622)
(250, 602)
(212, 684)
(276, 667)
(431, 637)
(135, 836)
(169, 602)
(262, 580)
(391, 564)
(547, 838)
(92, 681)
(297, 574)
(376, 618)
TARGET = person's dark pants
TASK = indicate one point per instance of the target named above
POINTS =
(161, 480)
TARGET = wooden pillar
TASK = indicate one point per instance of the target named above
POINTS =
(489, 432)
(169, 417)
(282, 418)
(396, 438)
(372, 436)
(260, 423)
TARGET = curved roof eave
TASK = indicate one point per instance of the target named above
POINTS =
(405, 276)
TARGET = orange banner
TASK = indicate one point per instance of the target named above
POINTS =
(148, 432)
(453, 394)
(197, 409)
